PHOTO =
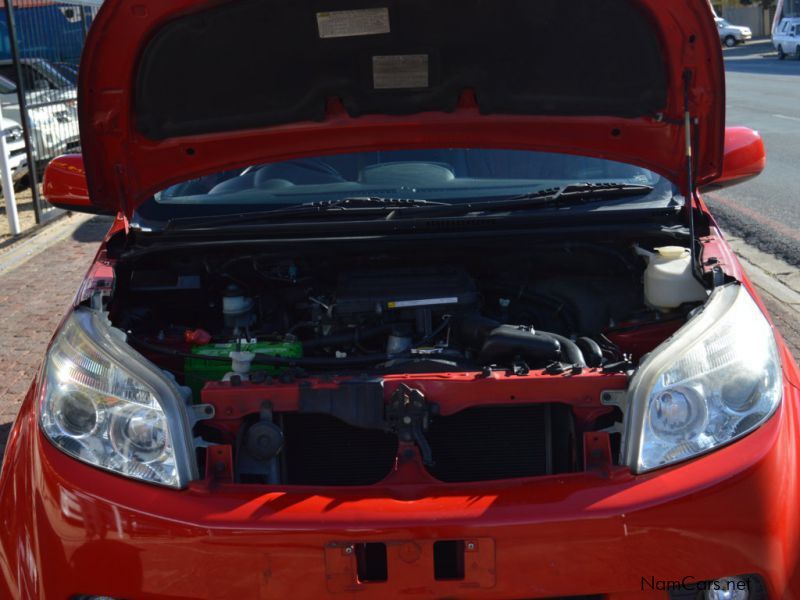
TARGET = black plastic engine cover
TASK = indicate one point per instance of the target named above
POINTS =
(397, 290)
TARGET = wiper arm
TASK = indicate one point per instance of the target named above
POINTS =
(567, 195)
(370, 203)
(358, 205)
(582, 192)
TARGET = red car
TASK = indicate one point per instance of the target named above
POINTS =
(406, 299)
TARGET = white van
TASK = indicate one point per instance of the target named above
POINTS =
(786, 38)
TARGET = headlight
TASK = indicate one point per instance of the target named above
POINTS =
(106, 405)
(716, 380)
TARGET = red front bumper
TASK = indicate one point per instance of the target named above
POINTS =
(70, 529)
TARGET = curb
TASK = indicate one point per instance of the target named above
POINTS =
(776, 277)
(29, 246)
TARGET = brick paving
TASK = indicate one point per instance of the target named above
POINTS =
(33, 299)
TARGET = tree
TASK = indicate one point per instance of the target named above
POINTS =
(763, 3)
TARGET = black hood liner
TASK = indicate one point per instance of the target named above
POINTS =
(256, 63)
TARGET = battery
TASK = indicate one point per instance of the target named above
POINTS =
(198, 370)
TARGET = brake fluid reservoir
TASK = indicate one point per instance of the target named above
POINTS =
(668, 280)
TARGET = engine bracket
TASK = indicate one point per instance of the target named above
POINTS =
(408, 415)
(618, 398)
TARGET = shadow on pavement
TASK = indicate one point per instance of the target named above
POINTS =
(755, 48)
(5, 429)
(93, 230)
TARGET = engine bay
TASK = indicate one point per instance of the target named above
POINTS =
(439, 366)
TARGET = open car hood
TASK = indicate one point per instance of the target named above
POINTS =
(176, 89)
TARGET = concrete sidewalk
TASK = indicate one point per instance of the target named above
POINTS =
(779, 284)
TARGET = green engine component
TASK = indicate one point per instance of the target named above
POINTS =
(198, 371)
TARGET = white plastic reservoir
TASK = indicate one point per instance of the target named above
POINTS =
(668, 280)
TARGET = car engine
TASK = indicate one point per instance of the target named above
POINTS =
(354, 369)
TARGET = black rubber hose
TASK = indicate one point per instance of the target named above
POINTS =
(591, 351)
(367, 359)
(476, 329)
(323, 362)
(507, 342)
(274, 361)
(570, 351)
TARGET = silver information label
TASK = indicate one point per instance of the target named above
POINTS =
(400, 71)
(351, 23)
(427, 302)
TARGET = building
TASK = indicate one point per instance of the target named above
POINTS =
(47, 29)
(791, 8)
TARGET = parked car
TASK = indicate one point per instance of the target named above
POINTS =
(15, 140)
(405, 305)
(786, 38)
(67, 70)
(52, 107)
(731, 35)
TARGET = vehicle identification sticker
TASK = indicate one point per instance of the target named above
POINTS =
(400, 71)
(428, 302)
(351, 23)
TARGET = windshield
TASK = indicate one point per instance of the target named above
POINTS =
(443, 175)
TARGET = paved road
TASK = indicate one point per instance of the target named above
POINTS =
(764, 93)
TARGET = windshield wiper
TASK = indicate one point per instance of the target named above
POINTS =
(558, 197)
(358, 205)
(584, 192)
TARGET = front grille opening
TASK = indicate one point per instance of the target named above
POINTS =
(321, 450)
(503, 442)
(448, 560)
(371, 563)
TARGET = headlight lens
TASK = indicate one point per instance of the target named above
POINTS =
(106, 405)
(716, 380)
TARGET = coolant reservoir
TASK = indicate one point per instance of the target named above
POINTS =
(668, 280)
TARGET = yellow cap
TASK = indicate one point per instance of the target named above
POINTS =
(672, 252)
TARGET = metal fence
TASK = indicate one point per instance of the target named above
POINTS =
(40, 48)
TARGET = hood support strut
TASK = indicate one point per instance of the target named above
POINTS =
(691, 196)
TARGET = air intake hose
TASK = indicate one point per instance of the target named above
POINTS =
(500, 343)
